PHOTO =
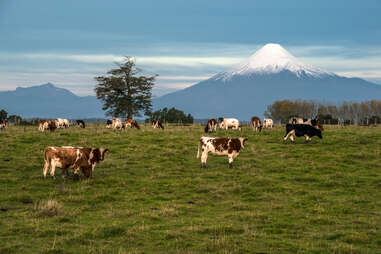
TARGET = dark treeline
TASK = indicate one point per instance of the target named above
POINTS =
(347, 112)
(171, 115)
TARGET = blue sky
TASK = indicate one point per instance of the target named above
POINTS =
(69, 42)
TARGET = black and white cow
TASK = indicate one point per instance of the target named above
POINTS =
(300, 130)
(156, 124)
(220, 146)
(81, 123)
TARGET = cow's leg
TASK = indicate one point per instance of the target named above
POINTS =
(52, 168)
(292, 137)
(287, 135)
(204, 157)
(231, 158)
(46, 166)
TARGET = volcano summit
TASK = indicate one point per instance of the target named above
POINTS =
(270, 74)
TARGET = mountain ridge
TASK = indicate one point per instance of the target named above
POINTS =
(270, 74)
(49, 101)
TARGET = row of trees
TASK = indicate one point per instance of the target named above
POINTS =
(172, 115)
(367, 112)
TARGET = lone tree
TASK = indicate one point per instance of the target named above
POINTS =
(123, 92)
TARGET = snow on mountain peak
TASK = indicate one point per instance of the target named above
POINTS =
(272, 58)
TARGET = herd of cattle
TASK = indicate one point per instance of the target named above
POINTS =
(84, 159)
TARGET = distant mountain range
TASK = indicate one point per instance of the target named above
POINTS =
(246, 90)
(49, 101)
(270, 74)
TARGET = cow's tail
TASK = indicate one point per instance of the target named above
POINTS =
(198, 149)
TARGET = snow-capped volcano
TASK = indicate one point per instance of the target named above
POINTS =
(270, 74)
(272, 58)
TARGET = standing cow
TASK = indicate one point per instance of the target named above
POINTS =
(157, 124)
(81, 123)
(300, 130)
(256, 124)
(79, 158)
(3, 124)
(115, 123)
(44, 125)
(268, 123)
(129, 123)
(211, 125)
(315, 123)
(226, 123)
(62, 123)
(220, 146)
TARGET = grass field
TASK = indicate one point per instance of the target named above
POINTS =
(150, 195)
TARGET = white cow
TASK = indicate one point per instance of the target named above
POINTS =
(226, 123)
(117, 124)
(268, 123)
(62, 123)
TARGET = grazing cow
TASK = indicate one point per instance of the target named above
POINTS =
(44, 125)
(81, 123)
(66, 123)
(3, 124)
(79, 158)
(211, 125)
(226, 123)
(220, 146)
(62, 123)
(157, 124)
(300, 130)
(131, 124)
(116, 123)
(268, 123)
(109, 124)
(256, 124)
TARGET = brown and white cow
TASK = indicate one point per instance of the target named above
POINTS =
(129, 123)
(44, 125)
(268, 123)
(315, 123)
(220, 146)
(157, 124)
(226, 123)
(62, 123)
(211, 125)
(82, 159)
(256, 124)
(3, 124)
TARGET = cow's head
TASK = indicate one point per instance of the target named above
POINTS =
(220, 119)
(221, 126)
(242, 141)
(87, 171)
(98, 154)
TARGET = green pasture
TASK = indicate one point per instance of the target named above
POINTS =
(150, 195)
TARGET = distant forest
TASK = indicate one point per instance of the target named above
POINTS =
(347, 112)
